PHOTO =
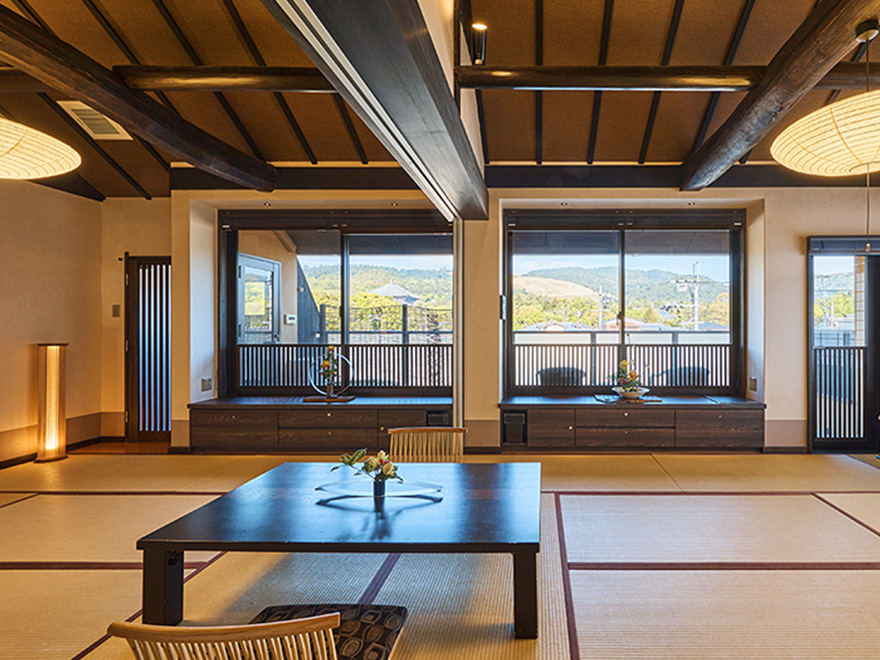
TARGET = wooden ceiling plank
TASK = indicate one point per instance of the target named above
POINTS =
(380, 56)
(197, 60)
(251, 46)
(826, 36)
(597, 97)
(539, 100)
(655, 101)
(58, 110)
(71, 72)
(728, 61)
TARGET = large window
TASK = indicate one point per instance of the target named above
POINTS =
(586, 291)
(381, 297)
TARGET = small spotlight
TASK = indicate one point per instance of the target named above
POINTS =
(563, 203)
(393, 203)
(478, 42)
(267, 204)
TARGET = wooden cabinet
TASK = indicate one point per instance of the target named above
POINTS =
(234, 430)
(687, 423)
(265, 425)
(734, 429)
(550, 428)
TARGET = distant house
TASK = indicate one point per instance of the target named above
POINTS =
(401, 295)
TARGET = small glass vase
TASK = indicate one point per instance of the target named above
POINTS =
(378, 488)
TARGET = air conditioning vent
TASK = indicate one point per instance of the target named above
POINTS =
(93, 122)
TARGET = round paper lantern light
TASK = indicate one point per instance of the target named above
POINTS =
(26, 153)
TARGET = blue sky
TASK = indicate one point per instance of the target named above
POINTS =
(711, 266)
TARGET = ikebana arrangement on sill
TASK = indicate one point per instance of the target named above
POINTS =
(629, 385)
(325, 377)
(379, 468)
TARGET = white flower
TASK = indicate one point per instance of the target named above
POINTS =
(388, 469)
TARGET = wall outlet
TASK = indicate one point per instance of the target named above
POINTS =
(207, 384)
(753, 384)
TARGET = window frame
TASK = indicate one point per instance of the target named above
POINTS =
(623, 220)
(346, 222)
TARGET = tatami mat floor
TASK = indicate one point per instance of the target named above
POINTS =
(643, 556)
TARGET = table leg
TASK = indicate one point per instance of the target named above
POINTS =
(163, 587)
(525, 595)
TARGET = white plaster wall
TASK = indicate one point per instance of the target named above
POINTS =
(50, 283)
(141, 228)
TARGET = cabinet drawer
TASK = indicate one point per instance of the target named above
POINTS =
(327, 439)
(625, 438)
(550, 428)
(392, 419)
(626, 415)
(233, 429)
(720, 429)
(337, 418)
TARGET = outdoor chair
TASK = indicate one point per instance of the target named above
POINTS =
(562, 376)
(299, 639)
(427, 444)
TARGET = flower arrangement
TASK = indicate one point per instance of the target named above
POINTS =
(627, 379)
(329, 369)
(379, 468)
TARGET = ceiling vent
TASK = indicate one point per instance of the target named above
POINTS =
(93, 122)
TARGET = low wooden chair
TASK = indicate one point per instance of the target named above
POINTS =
(298, 639)
(427, 444)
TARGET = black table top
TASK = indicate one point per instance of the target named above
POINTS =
(493, 507)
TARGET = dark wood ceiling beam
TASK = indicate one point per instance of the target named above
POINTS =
(56, 63)
(251, 45)
(597, 96)
(380, 56)
(713, 78)
(197, 60)
(655, 100)
(844, 76)
(826, 36)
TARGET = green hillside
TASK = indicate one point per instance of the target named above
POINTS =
(433, 287)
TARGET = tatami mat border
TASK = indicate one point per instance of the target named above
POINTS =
(725, 566)
(85, 565)
(705, 493)
(574, 651)
(29, 494)
(845, 512)
(91, 647)
(88, 493)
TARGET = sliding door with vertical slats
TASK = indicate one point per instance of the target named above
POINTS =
(148, 348)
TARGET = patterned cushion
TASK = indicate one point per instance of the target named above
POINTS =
(366, 632)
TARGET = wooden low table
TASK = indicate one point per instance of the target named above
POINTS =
(485, 508)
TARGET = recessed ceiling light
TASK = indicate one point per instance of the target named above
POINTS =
(267, 204)
(393, 203)
(564, 204)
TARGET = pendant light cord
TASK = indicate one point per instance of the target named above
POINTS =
(868, 166)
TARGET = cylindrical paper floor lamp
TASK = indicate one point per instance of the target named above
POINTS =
(52, 426)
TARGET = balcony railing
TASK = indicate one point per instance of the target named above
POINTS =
(590, 359)
(839, 374)
(286, 367)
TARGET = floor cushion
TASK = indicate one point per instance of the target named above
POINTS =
(366, 632)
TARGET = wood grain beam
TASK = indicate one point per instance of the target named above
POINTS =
(822, 40)
(69, 71)
(720, 78)
(380, 57)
